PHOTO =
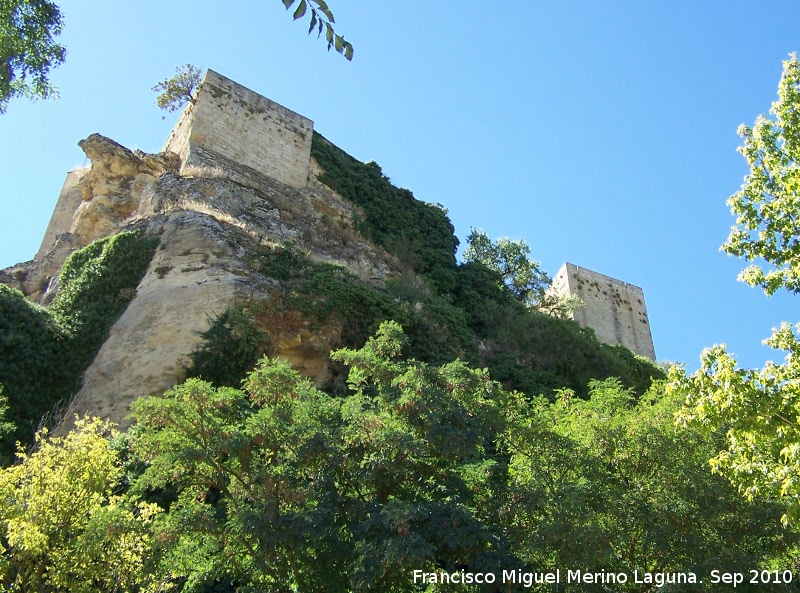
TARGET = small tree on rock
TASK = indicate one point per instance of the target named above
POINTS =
(175, 92)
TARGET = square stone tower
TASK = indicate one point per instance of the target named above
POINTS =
(228, 125)
(614, 309)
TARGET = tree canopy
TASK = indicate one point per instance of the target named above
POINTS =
(760, 409)
(28, 49)
(518, 273)
(278, 486)
(767, 206)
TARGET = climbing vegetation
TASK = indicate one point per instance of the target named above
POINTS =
(43, 352)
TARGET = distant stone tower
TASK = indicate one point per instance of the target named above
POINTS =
(614, 309)
(232, 127)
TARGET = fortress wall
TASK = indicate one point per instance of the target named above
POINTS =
(178, 140)
(615, 310)
(61, 221)
(240, 125)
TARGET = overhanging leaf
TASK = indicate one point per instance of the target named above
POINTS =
(325, 10)
(301, 10)
(329, 34)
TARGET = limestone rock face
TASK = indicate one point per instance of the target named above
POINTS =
(193, 276)
(211, 224)
(113, 188)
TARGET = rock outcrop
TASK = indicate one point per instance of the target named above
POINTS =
(209, 227)
(112, 189)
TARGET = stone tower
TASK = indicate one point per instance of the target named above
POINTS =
(231, 127)
(614, 309)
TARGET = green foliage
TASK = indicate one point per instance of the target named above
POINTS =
(27, 49)
(509, 259)
(517, 273)
(43, 353)
(175, 92)
(611, 483)
(6, 428)
(280, 486)
(62, 528)
(768, 205)
(759, 408)
(321, 17)
(419, 234)
(232, 345)
(253, 471)
(325, 292)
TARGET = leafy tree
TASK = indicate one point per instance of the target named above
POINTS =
(509, 258)
(522, 276)
(252, 472)
(767, 207)
(62, 527)
(760, 408)
(28, 49)
(280, 486)
(611, 483)
(175, 92)
(421, 464)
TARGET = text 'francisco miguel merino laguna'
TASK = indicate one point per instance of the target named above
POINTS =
(528, 579)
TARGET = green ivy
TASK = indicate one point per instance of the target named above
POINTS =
(43, 353)
(419, 234)
(96, 285)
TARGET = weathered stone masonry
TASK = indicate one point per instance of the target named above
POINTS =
(230, 122)
(614, 309)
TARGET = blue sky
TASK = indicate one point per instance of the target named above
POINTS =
(602, 133)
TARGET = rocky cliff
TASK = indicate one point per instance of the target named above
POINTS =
(210, 229)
